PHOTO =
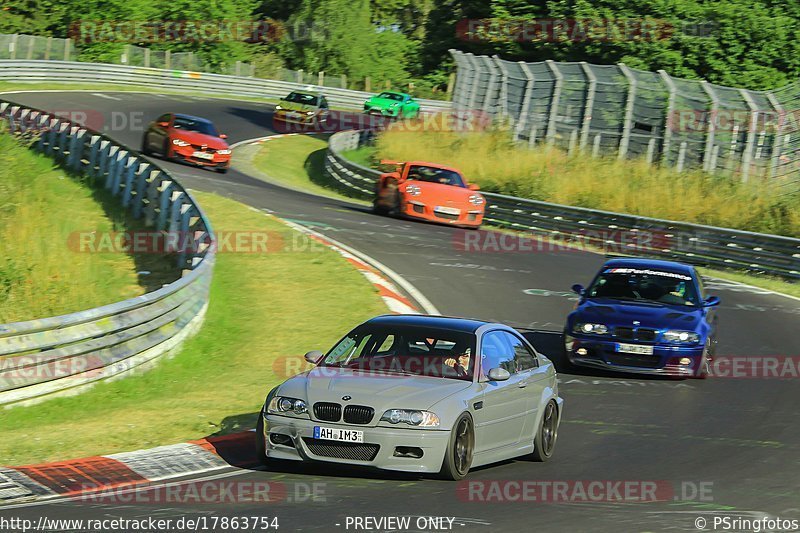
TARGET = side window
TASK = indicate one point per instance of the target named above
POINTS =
(386, 345)
(524, 358)
(163, 118)
(700, 286)
(496, 353)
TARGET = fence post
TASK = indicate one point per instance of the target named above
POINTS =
(627, 124)
(591, 89)
(503, 95)
(321, 78)
(451, 82)
(344, 81)
(711, 125)
(167, 60)
(775, 154)
(681, 157)
(368, 84)
(48, 47)
(596, 146)
(12, 47)
(31, 43)
(147, 57)
(526, 99)
(67, 49)
(651, 149)
(551, 120)
(747, 154)
(474, 93)
(299, 74)
(673, 92)
(238, 70)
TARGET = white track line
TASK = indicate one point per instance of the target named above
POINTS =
(106, 96)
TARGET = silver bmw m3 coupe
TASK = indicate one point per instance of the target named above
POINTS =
(415, 393)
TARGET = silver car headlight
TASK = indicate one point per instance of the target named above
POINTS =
(411, 417)
(281, 405)
(590, 328)
(681, 337)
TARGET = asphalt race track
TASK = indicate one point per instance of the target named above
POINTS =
(738, 439)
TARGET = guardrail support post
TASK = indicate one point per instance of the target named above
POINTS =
(140, 201)
(668, 123)
(132, 165)
(711, 125)
(551, 120)
(473, 95)
(627, 124)
(163, 206)
(747, 153)
(591, 90)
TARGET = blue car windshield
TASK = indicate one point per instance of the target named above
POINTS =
(645, 285)
(405, 350)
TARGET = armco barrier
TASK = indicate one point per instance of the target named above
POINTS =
(201, 83)
(690, 243)
(65, 353)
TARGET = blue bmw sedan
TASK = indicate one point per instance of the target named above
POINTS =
(643, 316)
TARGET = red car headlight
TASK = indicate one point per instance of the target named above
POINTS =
(180, 142)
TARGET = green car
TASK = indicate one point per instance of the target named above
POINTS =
(392, 104)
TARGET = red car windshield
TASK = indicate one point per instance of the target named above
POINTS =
(406, 350)
(435, 175)
(200, 126)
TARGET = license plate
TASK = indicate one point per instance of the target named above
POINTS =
(635, 348)
(202, 155)
(448, 210)
(344, 435)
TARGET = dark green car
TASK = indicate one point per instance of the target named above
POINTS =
(392, 104)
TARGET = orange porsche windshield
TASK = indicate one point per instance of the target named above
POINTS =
(435, 175)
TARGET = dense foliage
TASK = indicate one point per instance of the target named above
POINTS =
(746, 43)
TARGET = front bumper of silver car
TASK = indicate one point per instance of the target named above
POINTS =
(388, 448)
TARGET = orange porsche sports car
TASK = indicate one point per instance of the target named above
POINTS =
(190, 139)
(431, 192)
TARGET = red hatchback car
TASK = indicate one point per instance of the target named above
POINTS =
(186, 138)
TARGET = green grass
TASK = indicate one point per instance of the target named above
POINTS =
(550, 174)
(263, 307)
(295, 162)
(42, 213)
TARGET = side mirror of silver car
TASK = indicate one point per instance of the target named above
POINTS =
(498, 374)
(314, 356)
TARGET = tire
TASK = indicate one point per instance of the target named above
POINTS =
(145, 146)
(705, 362)
(458, 457)
(165, 150)
(261, 450)
(544, 442)
(377, 208)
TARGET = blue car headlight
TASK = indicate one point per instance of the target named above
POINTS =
(681, 337)
(590, 328)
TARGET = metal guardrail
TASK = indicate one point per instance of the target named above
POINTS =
(69, 352)
(202, 83)
(616, 232)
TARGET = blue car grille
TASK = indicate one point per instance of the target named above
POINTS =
(635, 334)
